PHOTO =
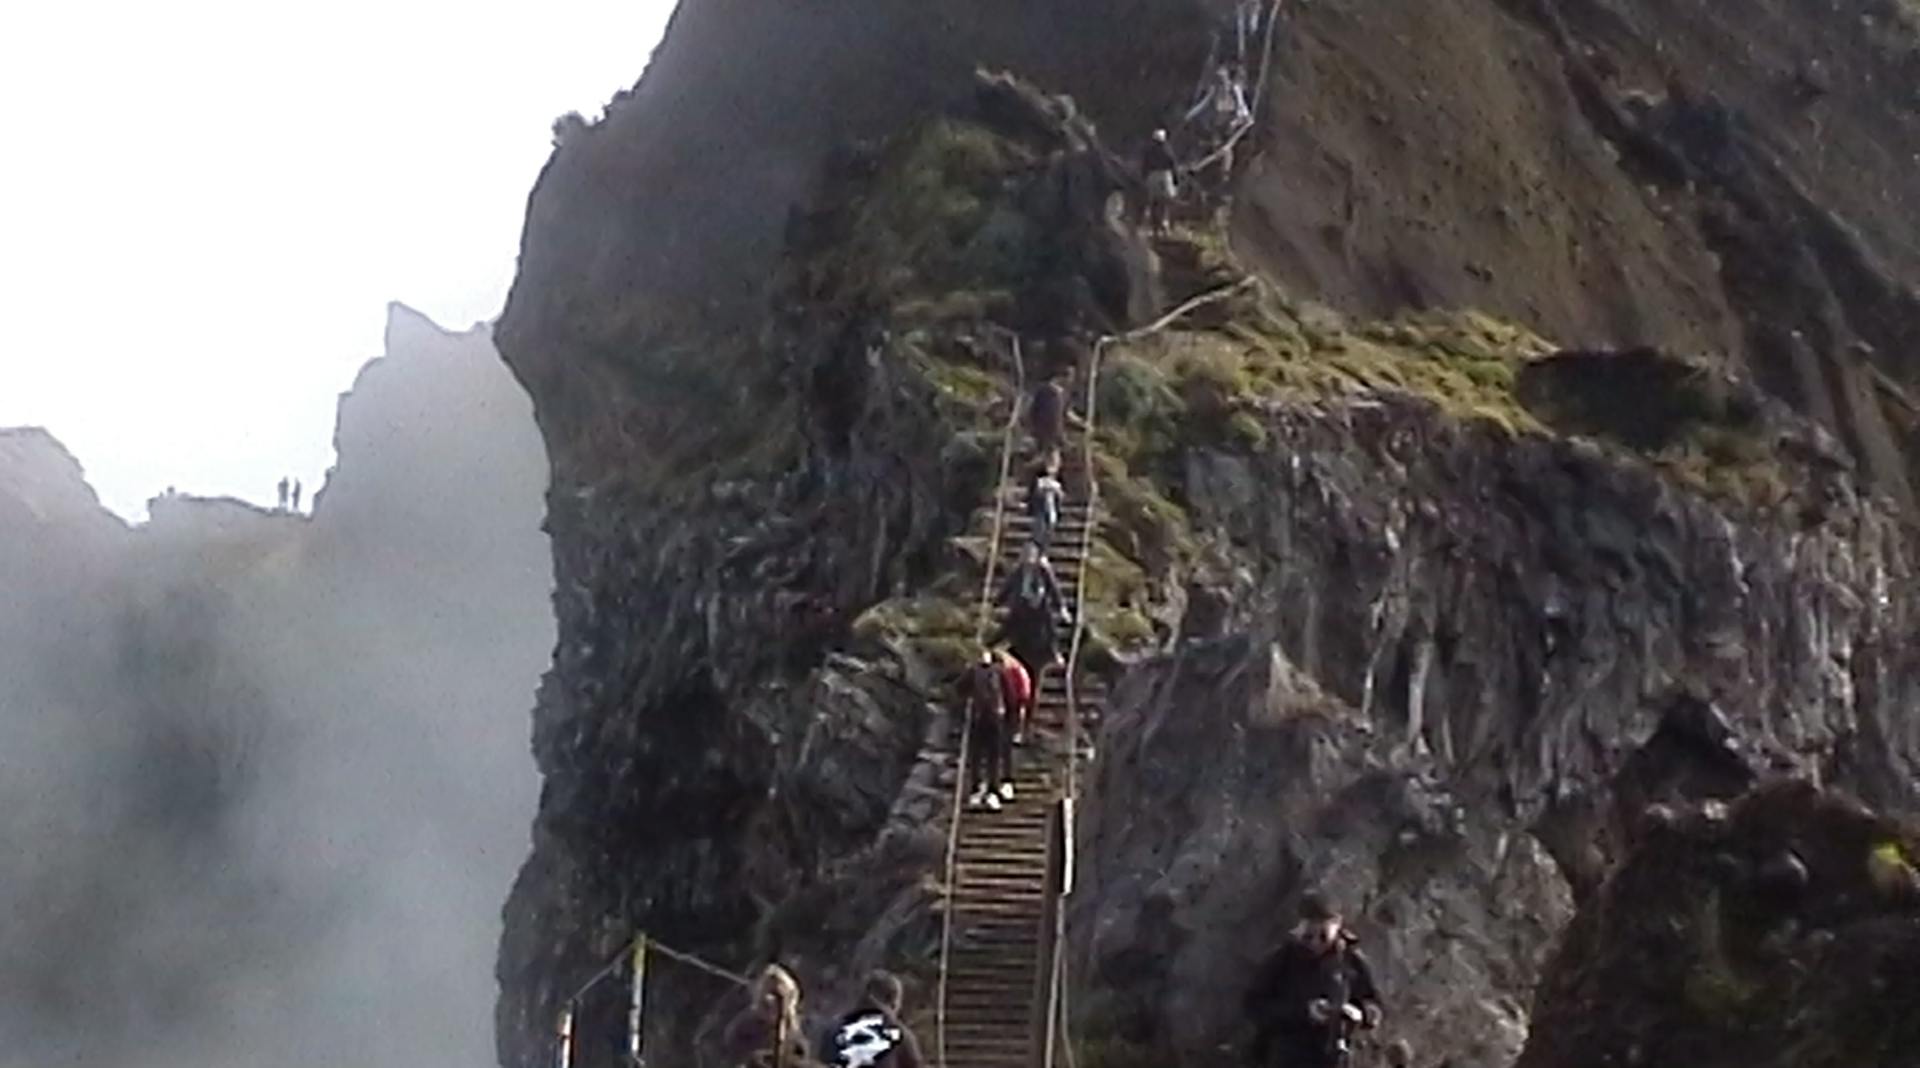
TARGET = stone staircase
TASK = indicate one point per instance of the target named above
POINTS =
(996, 989)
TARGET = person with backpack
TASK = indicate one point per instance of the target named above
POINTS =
(872, 1036)
(989, 750)
(1018, 688)
(1035, 608)
(1045, 496)
(1312, 994)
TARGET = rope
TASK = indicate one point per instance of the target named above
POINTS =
(654, 945)
(564, 1056)
(1008, 435)
(1259, 96)
(1060, 991)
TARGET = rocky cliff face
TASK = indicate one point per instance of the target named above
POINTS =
(1448, 596)
(1777, 932)
(214, 721)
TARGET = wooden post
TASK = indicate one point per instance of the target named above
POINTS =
(635, 1018)
(1053, 918)
(563, 1058)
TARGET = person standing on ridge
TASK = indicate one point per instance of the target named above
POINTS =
(1159, 166)
(872, 1036)
(296, 494)
(283, 494)
(989, 753)
(1310, 995)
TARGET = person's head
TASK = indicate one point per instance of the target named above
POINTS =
(885, 992)
(1160, 136)
(776, 991)
(1050, 463)
(1320, 924)
(1030, 554)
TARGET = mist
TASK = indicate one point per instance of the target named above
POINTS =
(264, 778)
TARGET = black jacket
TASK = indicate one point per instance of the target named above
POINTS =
(1157, 157)
(870, 1037)
(1294, 976)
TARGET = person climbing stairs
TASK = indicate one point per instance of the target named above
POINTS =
(995, 992)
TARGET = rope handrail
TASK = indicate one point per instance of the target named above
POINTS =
(654, 945)
(636, 949)
(1259, 94)
(1008, 436)
(1058, 990)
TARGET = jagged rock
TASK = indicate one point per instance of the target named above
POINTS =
(1672, 963)
(248, 752)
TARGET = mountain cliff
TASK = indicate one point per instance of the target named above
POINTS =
(212, 720)
(1540, 450)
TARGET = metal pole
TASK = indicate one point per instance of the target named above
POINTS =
(564, 1058)
(636, 1006)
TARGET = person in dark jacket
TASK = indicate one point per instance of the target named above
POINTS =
(1035, 607)
(872, 1036)
(989, 740)
(1047, 416)
(1310, 995)
(1159, 166)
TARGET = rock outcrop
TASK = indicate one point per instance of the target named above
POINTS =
(264, 773)
(1778, 931)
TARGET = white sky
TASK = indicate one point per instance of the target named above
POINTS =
(205, 206)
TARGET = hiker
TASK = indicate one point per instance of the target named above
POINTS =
(1309, 996)
(1031, 595)
(1044, 497)
(1017, 690)
(766, 1032)
(1047, 416)
(989, 758)
(283, 494)
(296, 494)
(1224, 102)
(1158, 164)
(872, 1036)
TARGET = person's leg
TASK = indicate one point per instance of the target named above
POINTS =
(994, 743)
(1005, 749)
(979, 760)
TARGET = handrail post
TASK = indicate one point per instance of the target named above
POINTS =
(636, 1006)
(563, 1056)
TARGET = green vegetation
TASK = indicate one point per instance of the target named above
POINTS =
(931, 632)
(929, 238)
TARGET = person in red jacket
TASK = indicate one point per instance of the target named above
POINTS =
(1018, 686)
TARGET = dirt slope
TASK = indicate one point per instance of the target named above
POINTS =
(1735, 180)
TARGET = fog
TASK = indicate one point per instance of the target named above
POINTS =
(264, 778)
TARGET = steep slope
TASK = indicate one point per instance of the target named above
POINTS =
(1486, 554)
(214, 723)
(1617, 173)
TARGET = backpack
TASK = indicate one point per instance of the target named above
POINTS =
(864, 1040)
